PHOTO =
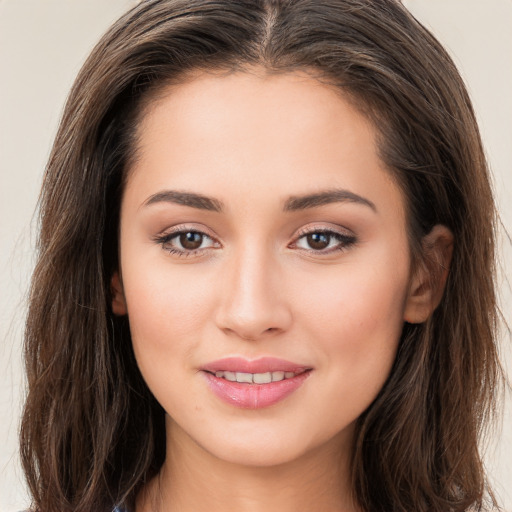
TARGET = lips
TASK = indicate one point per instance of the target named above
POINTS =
(254, 384)
(262, 365)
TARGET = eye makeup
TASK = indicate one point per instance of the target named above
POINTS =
(183, 241)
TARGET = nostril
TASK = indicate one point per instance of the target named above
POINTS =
(254, 337)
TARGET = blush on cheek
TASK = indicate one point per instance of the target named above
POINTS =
(164, 316)
(160, 299)
(362, 328)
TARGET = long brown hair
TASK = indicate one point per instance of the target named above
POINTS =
(92, 434)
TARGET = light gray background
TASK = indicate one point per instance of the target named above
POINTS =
(42, 45)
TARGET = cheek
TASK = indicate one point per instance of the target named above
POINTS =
(167, 312)
(358, 305)
(356, 320)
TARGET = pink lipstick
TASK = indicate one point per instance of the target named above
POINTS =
(254, 384)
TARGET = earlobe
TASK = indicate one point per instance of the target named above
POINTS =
(428, 283)
(118, 300)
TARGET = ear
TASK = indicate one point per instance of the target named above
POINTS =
(428, 282)
(118, 300)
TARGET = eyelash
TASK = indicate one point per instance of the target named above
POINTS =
(345, 241)
(165, 239)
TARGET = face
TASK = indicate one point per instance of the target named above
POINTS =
(261, 240)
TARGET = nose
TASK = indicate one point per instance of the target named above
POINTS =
(253, 302)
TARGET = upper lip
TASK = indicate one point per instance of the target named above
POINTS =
(262, 365)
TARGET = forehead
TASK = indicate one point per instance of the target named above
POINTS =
(253, 102)
(249, 128)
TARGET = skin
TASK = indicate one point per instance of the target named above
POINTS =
(256, 287)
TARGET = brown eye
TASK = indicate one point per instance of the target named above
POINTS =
(191, 240)
(186, 243)
(318, 241)
(324, 242)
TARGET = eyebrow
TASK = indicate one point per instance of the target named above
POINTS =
(186, 199)
(295, 203)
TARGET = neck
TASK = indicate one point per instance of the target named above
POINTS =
(193, 479)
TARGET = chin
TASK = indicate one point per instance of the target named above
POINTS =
(261, 455)
(258, 445)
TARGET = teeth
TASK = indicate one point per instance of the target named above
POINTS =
(256, 378)
(244, 377)
(230, 376)
(276, 376)
(262, 378)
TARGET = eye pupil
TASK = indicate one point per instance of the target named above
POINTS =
(318, 240)
(191, 240)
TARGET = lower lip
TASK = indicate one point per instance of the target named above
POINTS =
(254, 396)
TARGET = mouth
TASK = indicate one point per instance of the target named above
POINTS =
(254, 384)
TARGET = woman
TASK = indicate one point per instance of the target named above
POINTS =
(265, 269)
